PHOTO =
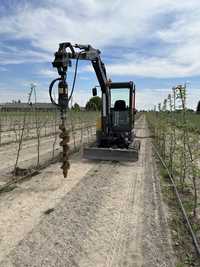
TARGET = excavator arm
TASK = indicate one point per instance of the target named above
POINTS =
(86, 52)
(62, 61)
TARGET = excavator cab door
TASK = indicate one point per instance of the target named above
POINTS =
(122, 111)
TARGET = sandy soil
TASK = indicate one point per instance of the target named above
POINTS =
(103, 214)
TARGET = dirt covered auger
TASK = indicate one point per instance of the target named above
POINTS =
(115, 139)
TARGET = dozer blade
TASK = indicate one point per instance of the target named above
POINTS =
(97, 153)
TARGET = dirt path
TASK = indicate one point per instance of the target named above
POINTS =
(23, 208)
(105, 214)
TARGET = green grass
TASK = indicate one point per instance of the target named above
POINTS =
(175, 118)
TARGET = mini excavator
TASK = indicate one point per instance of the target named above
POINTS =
(115, 139)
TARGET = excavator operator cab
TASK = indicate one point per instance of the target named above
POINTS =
(122, 107)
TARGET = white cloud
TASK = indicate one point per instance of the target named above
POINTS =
(154, 67)
(21, 92)
(96, 22)
(3, 69)
(112, 23)
(48, 73)
(13, 55)
(158, 95)
(99, 23)
(173, 27)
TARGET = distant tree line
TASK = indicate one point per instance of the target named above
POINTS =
(94, 104)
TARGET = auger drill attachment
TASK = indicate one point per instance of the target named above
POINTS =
(62, 62)
(64, 135)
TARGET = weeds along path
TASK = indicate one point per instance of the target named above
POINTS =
(105, 214)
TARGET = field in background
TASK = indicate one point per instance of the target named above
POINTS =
(30, 140)
(33, 120)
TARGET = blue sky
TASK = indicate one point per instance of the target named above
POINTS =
(154, 43)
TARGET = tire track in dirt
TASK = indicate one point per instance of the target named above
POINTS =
(130, 229)
(117, 241)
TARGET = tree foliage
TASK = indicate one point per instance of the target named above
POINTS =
(76, 107)
(94, 103)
